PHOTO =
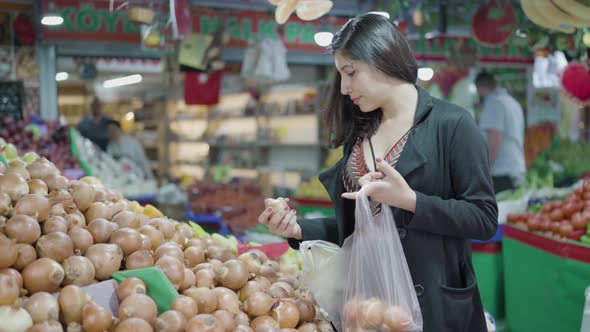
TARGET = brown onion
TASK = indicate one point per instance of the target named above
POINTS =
(79, 271)
(95, 318)
(371, 313)
(14, 185)
(219, 252)
(134, 325)
(205, 278)
(233, 274)
(26, 255)
(127, 238)
(264, 323)
(82, 193)
(139, 306)
(397, 319)
(169, 249)
(42, 307)
(18, 166)
(173, 268)
(242, 318)
(9, 290)
(164, 225)
(82, 239)
(186, 230)
(55, 224)
(37, 186)
(258, 255)
(286, 313)
(61, 196)
(155, 235)
(204, 297)
(227, 300)
(57, 210)
(74, 327)
(264, 282)
(249, 288)
(5, 204)
(100, 194)
(120, 206)
(203, 323)
(258, 304)
(98, 210)
(41, 169)
(305, 294)
(138, 260)
(243, 328)
(307, 311)
(146, 243)
(195, 243)
(194, 256)
(308, 327)
(46, 326)
(189, 280)
(8, 251)
(179, 238)
(268, 271)
(57, 246)
(170, 321)
(101, 229)
(253, 264)
(15, 275)
(14, 319)
(185, 305)
(23, 228)
(106, 259)
(130, 286)
(75, 220)
(225, 319)
(43, 275)
(57, 182)
(290, 279)
(34, 205)
(287, 287)
(71, 300)
(126, 219)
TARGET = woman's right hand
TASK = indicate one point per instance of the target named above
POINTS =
(282, 223)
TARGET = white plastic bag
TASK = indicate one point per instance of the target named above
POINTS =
(379, 293)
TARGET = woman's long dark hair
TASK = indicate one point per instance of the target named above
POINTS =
(377, 41)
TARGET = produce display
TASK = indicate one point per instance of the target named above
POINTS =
(566, 160)
(313, 188)
(562, 219)
(54, 143)
(59, 237)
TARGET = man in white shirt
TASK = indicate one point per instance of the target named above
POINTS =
(122, 145)
(502, 124)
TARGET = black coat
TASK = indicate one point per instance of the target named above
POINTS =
(445, 161)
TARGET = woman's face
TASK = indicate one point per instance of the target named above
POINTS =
(366, 86)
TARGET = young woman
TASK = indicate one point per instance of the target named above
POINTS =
(422, 157)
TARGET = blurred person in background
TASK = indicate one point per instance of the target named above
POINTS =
(502, 124)
(122, 145)
(94, 125)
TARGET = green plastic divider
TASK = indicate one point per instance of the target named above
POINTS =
(544, 289)
(76, 154)
(489, 272)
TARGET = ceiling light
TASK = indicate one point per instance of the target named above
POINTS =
(61, 76)
(425, 74)
(120, 81)
(384, 14)
(129, 116)
(323, 38)
(52, 19)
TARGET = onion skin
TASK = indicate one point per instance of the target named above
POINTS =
(233, 274)
(37, 186)
(130, 286)
(169, 249)
(5, 204)
(203, 323)
(258, 304)
(243, 328)
(128, 239)
(138, 260)
(205, 298)
(286, 313)
(34, 205)
(138, 306)
(205, 278)
(55, 224)
(101, 229)
(155, 235)
(264, 323)
(42, 307)
(307, 311)
(43, 275)
(106, 259)
(82, 193)
(189, 280)
(170, 321)
(14, 185)
(185, 305)
(79, 271)
(18, 278)
(57, 182)
(134, 325)
(164, 225)
(225, 319)
(47, 326)
(227, 300)
(308, 327)
(173, 268)
(95, 318)
(126, 219)
(8, 252)
(26, 255)
(194, 256)
(82, 239)
(9, 290)
(15, 320)
(249, 288)
(71, 300)
(98, 210)
(57, 246)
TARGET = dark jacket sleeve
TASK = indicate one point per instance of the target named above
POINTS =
(473, 213)
(317, 229)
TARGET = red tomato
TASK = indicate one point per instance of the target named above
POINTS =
(513, 217)
(556, 214)
(586, 185)
(534, 223)
(565, 228)
(545, 224)
(522, 224)
(554, 226)
(586, 196)
(578, 221)
(571, 197)
(579, 192)
(555, 205)
(576, 234)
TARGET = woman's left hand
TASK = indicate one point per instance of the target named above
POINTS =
(387, 187)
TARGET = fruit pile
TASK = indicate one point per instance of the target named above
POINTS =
(54, 144)
(566, 219)
(59, 237)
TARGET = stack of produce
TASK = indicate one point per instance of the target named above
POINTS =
(567, 160)
(53, 144)
(566, 219)
(57, 237)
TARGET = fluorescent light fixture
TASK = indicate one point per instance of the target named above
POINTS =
(425, 74)
(323, 38)
(52, 19)
(129, 116)
(61, 76)
(120, 81)
(384, 14)
(430, 35)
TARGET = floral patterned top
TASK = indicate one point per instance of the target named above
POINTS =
(356, 167)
